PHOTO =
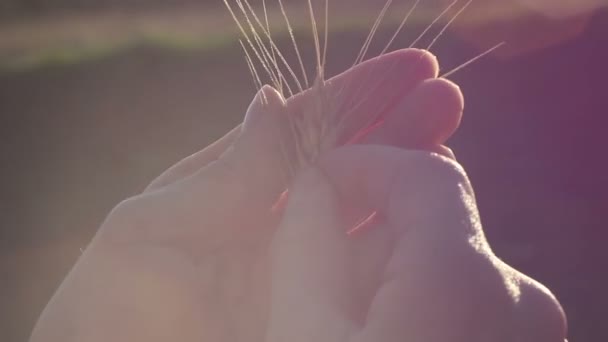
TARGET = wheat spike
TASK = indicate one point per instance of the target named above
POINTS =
(274, 57)
(319, 125)
(372, 32)
(256, 78)
(445, 27)
(326, 38)
(432, 23)
(401, 25)
(472, 60)
(376, 118)
(273, 45)
(262, 47)
(248, 39)
(293, 41)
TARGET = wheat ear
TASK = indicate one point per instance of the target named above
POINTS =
(318, 126)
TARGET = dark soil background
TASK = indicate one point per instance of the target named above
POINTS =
(75, 140)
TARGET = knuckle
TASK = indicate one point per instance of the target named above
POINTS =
(442, 167)
(483, 290)
(124, 219)
(539, 314)
(525, 307)
(126, 209)
(435, 173)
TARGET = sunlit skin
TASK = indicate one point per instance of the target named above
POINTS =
(200, 255)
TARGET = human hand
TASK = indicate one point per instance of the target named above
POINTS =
(190, 259)
(423, 271)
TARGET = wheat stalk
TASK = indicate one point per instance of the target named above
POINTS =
(319, 126)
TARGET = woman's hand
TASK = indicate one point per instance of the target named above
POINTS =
(422, 271)
(200, 256)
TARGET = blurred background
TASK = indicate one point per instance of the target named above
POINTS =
(99, 97)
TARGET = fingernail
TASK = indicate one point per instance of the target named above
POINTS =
(266, 98)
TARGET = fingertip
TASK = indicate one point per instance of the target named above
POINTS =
(375, 176)
(449, 102)
(429, 61)
(415, 63)
(428, 116)
(536, 303)
(255, 158)
(449, 91)
(267, 99)
(444, 151)
(423, 62)
(272, 95)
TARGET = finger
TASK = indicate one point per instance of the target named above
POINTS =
(390, 179)
(407, 188)
(249, 176)
(260, 152)
(311, 298)
(372, 246)
(313, 260)
(361, 95)
(196, 161)
(220, 202)
(538, 314)
(417, 194)
(428, 116)
(399, 77)
(429, 210)
(254, 162)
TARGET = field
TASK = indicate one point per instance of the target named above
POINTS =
(88, 118)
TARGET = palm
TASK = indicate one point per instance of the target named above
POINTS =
(158, 272)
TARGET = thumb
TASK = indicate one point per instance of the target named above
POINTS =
(255, 160)
(310, 262)
(200, 206)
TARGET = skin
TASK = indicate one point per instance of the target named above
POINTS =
(200, 256)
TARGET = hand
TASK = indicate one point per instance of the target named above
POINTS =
(198, 256)
(422, 272)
